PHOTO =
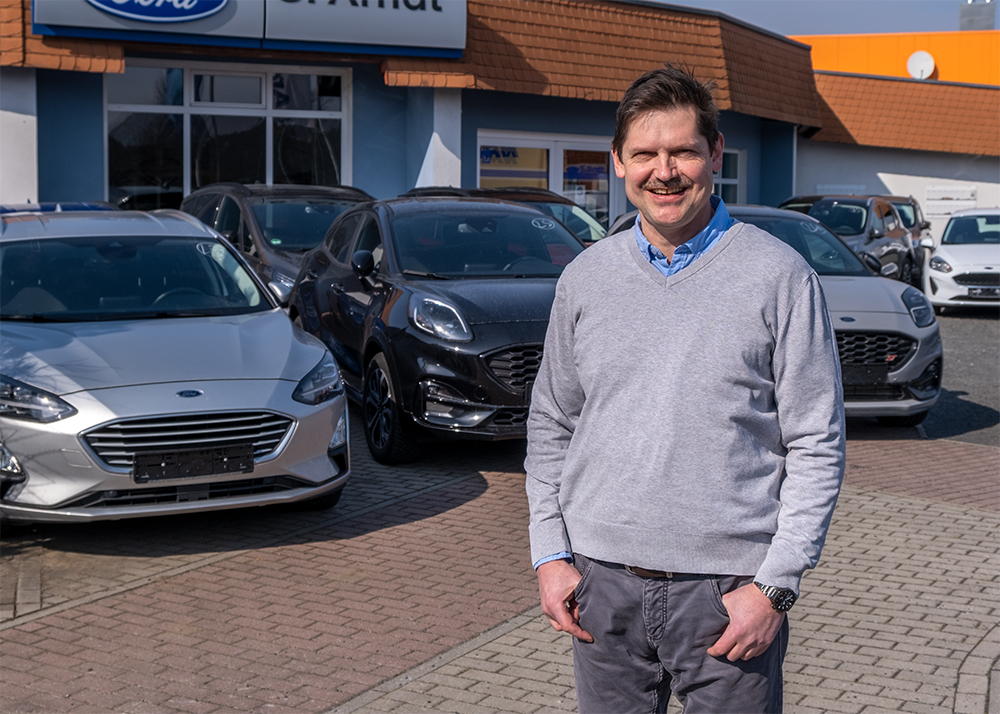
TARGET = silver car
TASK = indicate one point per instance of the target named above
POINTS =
(888, 339)
(144, 370)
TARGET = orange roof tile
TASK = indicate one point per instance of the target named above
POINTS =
(909, 114)
(593, 49)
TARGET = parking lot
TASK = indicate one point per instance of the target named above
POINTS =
(415, 593)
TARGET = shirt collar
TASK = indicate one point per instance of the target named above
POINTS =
(720, 223)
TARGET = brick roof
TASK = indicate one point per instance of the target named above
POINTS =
(587, 49)
(593, 49)
(909, 114)
(20, 48)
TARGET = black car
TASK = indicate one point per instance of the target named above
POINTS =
(272, 225)
(920, 228)
(570, 214)
(436, 310)
(868, 224)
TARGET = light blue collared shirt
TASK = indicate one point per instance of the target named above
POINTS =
(686, 254)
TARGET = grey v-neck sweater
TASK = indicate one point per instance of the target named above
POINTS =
(691, 423)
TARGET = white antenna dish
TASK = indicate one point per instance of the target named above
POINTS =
(920, 65)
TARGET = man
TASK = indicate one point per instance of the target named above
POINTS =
(686, 435)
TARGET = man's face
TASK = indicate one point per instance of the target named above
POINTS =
(667, 166)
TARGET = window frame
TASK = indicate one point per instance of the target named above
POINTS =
(189, 108)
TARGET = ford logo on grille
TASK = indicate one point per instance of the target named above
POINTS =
(160, 10)
(847, 319)
(188, 393)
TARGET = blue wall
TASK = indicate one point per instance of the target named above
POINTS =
(382, 134)
(777, 173)
(70, 136)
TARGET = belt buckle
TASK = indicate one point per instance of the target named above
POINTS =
(644, 573)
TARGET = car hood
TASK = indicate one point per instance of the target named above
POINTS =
(69, 357)
(969, 254)
(496, 300)
(847, 295)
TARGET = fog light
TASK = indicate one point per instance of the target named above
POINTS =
(443, 406)
(340, 433)
(924, 386)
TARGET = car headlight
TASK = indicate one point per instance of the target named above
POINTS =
(920, 308)
(322, 384)
(940, 264)
(22, 401)
(439, 319)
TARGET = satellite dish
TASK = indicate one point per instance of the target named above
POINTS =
(920, 65)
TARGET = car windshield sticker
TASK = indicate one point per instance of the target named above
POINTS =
(543, 224)
(276, 241)
(205, 248)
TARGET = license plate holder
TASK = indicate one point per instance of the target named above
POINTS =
(859, 374)
(984, 292)
(192, 463)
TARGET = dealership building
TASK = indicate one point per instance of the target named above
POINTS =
(142, 101)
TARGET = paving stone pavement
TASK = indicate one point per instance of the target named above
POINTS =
(416, 595)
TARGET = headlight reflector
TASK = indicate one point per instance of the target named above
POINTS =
(322, 384)
(940, 264)
(920, 308)
(22, 401)
(439, 319)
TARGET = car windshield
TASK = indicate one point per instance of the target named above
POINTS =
(576, 219)
(123, 277)
(296, 224)
(824, 252)
(972, 229)
(907, 213)
(483, 244)
(846, 219)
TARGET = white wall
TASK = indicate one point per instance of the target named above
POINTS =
(18, 136)
(442, 165)
(897, 172)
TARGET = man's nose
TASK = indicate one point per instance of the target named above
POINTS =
(665, 166)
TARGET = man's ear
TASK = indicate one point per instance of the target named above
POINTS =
(619, 166)
(720, 144)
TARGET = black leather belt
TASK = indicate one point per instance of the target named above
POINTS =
(644, 573)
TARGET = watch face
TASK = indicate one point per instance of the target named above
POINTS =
(783, 600)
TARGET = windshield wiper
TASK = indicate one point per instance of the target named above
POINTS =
(152, 315)
(42, 318)
(420, 274)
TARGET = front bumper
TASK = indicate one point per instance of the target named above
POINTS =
(68, 480)
(962, 288)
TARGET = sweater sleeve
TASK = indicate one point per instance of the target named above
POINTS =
(810, 405)
(556, 402)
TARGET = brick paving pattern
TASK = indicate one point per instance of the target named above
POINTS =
(415, 595)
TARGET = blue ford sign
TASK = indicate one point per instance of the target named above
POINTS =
(160, 10)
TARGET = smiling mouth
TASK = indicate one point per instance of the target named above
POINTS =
(667, 190)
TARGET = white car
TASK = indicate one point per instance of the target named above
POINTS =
(887, 337)
(965, 268)
(144, 370)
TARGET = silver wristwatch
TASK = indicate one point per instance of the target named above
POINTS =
(781, 599)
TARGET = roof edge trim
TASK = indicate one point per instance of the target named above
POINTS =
(890, 78)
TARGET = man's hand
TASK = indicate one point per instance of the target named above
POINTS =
(556, 581)
(753, 624)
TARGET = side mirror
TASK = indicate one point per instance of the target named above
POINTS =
(875, 233)
(927, 243)
(363, 264)
(889, 270)
(925, 225)
(281, 291)
(873, 263)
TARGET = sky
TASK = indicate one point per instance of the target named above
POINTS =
(838, 17)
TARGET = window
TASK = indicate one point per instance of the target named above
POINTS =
(174, 127)
(730, 180)
(576, 167)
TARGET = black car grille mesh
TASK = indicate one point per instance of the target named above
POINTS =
(116, 443)
(179, 494)
(873, 392)
(515, 367)
(981, 279)
(875, 348)
(515, 416)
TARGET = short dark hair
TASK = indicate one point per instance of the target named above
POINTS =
(668, 87)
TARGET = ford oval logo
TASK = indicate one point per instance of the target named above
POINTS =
(847, 319)
(160, 10)
(188, 393)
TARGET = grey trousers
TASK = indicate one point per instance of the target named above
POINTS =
(651, 638)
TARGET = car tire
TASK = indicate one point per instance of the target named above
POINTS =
(390, 439)
(320, 503)
(903, 421)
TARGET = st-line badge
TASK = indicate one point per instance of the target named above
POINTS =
(160, 10)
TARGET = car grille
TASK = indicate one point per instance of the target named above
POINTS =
(875, 348)
(511, 417)
(515, 367)
(873, 392)
(180, 494)
(979, 279)
(115, 444)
